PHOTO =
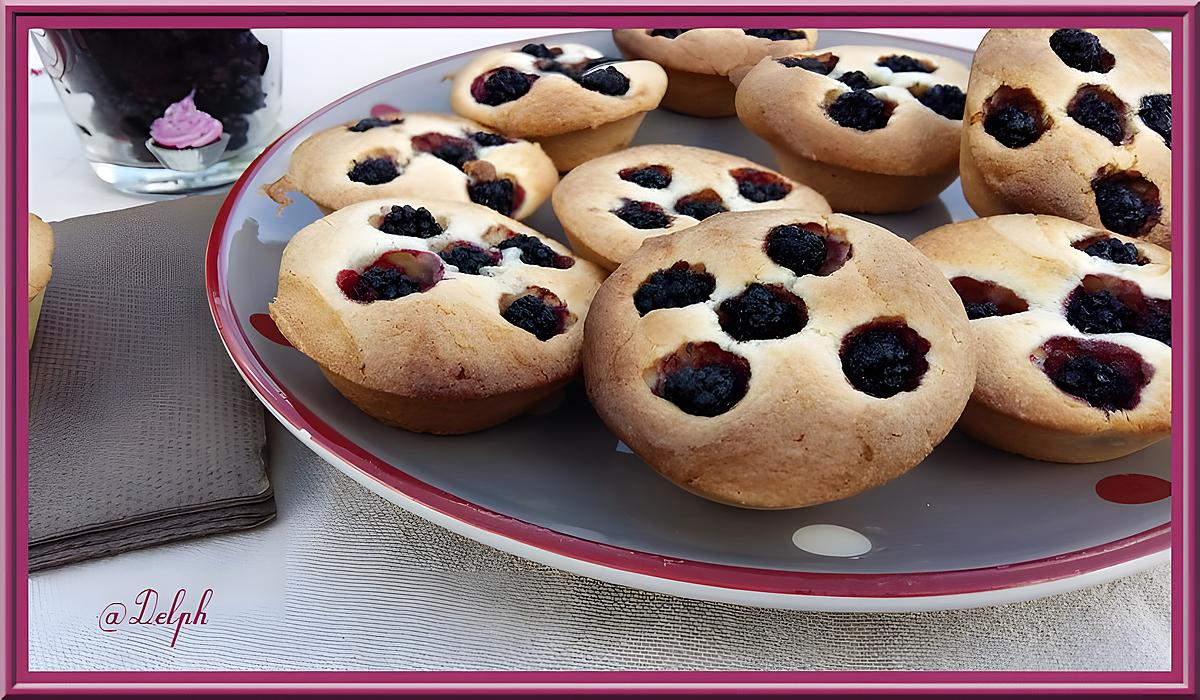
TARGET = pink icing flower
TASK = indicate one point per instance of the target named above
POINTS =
(184, 126)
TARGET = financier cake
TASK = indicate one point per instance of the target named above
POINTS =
(1076, 322)
(874, 129)
(1074, 123)
(779, 358)
(698, 62)
(434, 316)
(572, 99)
(421, 154)
(609, 205)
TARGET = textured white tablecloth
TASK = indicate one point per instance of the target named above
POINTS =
(345, 580)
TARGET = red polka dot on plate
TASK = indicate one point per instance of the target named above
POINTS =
(1133, 489)
(265, 325)
(381, 110)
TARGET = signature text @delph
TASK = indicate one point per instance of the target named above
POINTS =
(146, 612)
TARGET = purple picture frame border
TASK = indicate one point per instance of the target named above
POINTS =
(1178, 17)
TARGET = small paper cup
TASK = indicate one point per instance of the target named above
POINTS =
(189, 159)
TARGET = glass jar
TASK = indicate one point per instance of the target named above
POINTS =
(115, 82)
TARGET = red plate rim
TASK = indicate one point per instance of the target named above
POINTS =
(722, 576)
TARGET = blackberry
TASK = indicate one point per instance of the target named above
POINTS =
(777, 34)
(373, 123)
(946, 100)
(859, 109)
(884, 359)
(982, 309)
(1114, 250)
(1155, 112)
(454, 150)
(606, 81)
(700, 205)
(533, 251)
(904, 64)
(759, 185)
(653, 177)
(762, 313)
(488, 139)
(531, 313)
(407, 221)
(1101, 385)
(798, 249)
(1097, 112)
(381, 283)
(1099, 312)
(1012, 126)
(642, 215)
(1122, 207)
(501, 85)
(374, 171)
(809, 63)
(857, 80)
(1081, 50)
(469, 259)
(538, 50)
(672, 288)
(499, 195)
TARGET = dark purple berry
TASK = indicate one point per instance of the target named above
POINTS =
(798, 249)
(374, 171)
(1081, 50)
(494, 194)
(860, 110)
(704, 391)
(531, 313)
(1012, 126)
(381, 283)
(672, 288)
(642, 215)
(981, 310)
(762, 313)
(904, 64)
(668, 33)
(606, 81)
(1114, 250)
(501, 85)
(454, 150)
(1099, 111)
(700, 205)
(534, 252)
(1101, 385)
(760, 185)
(1155, 112)
(654, 177)
(946, 100)
(373, 123)
(884, 358)
(777, 34)
(1099, 312)
(407, 221)
(539, 51)
(488, 139)
(816, 64)
(468, 258)
(1127, 204)
(857, 80)
(1155, 321)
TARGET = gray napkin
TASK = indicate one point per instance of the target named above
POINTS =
(140, 429)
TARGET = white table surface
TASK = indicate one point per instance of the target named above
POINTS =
(257, 582)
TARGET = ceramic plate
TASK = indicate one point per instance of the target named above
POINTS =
(969, 526)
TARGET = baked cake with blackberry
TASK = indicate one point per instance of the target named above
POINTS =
(434, 316)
